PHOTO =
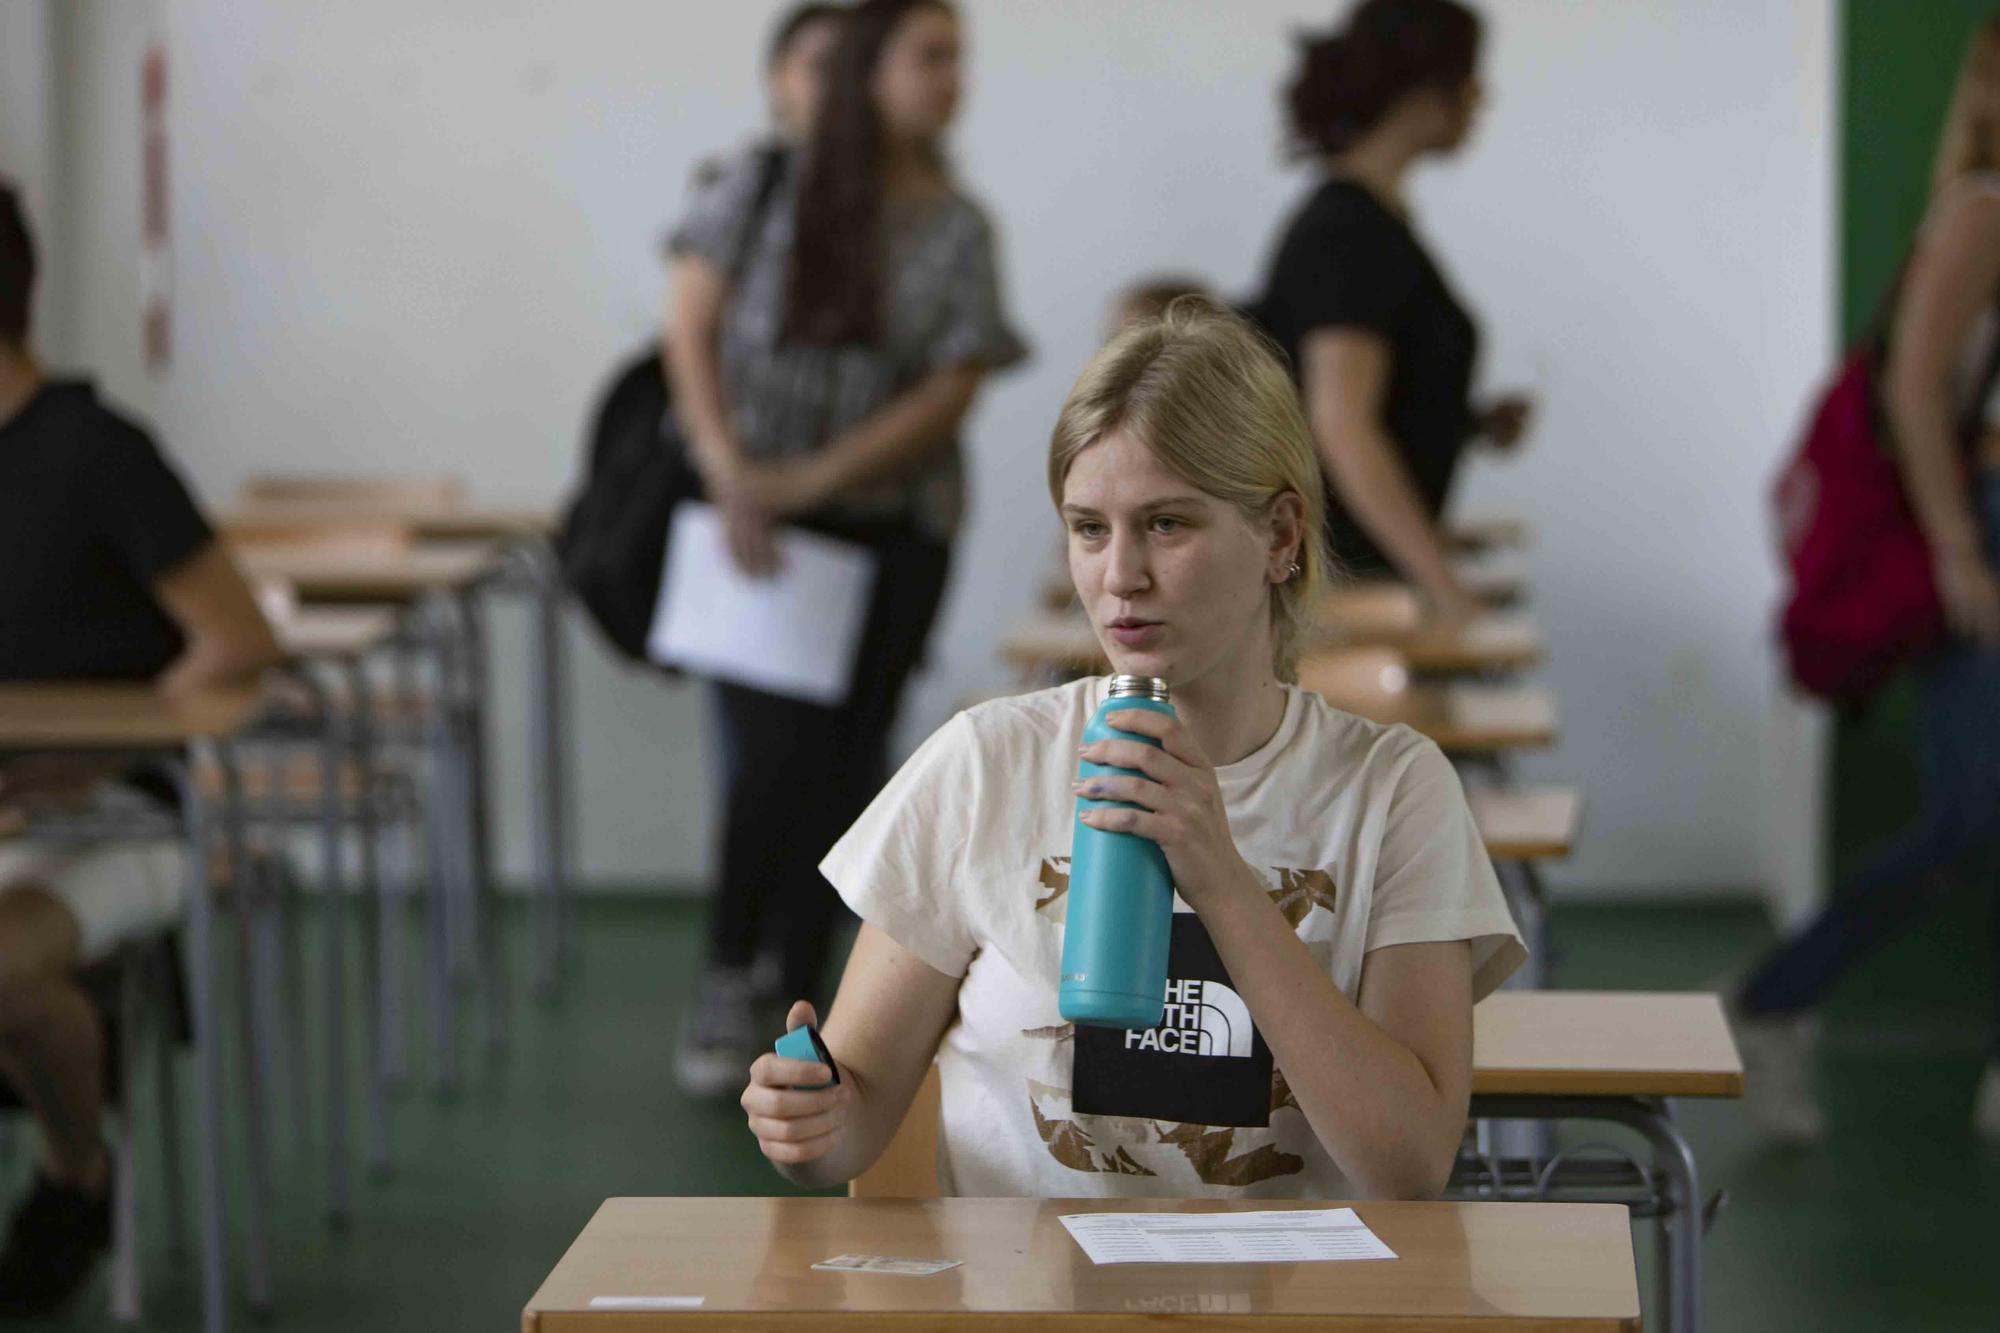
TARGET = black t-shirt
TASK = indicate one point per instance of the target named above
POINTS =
(91, 516)
(1347, 261)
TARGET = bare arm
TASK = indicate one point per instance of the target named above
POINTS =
(884, 1029)
(1384, 1083)
(696, 291)
(228, 640)
(1346, 384)
(1951, 278)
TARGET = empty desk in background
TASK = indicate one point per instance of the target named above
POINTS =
(1607, 1056)
(1486, 530)
(140, 723)
(1551, 1268)
(464, 546)
(1063, 642)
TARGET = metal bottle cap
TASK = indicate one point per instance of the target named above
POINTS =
(1139, 687)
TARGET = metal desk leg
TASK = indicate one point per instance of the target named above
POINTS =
(488, 974)
(1523, 890)
(361, 741)
(440, 846)
(1678, 1296)
(257, 1206)
(553, 940)
(208, 1074)
(1679, 1237)
(333, 924)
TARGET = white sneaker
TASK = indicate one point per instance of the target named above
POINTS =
(1986, 1108)
(1777, 1076)
(718, 1036)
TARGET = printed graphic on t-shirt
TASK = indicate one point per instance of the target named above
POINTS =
(1205, 1064)
(1220, 1153)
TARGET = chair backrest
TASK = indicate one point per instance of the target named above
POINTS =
(387, 488)
(907, 1168)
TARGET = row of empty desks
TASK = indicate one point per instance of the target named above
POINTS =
(452, 571)
(1059, 642)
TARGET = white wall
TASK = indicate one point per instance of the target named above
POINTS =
(415, 236)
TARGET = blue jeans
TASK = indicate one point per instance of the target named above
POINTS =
(1958, 761)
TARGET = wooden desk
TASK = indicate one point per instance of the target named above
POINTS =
(321, 574)
(1603, 1044)
(1486, 531)
(38, 716)
(1460, 1266)
(1493, 579)
(1607, 1057)
(429, 521)
(1064, 642)
(1469, 719)
(340, 632)
(1528, 823)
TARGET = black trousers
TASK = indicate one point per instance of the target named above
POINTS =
(797, 774)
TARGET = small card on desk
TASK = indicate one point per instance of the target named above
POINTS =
(882, 1263)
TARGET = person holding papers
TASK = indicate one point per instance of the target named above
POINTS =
(830, 326)
(1337, 914)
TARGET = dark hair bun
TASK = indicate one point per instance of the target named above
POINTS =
(1350, 79)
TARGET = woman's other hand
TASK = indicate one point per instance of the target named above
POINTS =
(1504, 421)
(1970, 591)
(793, 1126)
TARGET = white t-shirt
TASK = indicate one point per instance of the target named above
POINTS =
(1363, 837)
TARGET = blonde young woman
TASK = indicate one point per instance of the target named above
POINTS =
(1328, 870)
(1946, 317)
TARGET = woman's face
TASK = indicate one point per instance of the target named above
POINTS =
(797, 76)
(916, 79)
(1176, 582)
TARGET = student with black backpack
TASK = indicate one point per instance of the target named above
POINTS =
(829, 328)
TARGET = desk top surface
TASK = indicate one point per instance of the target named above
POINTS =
(335, 631)
(1486, 643)
(1461, 1266)
(115, 717)
(421, 518)
(1603, 1043)
(368, 573)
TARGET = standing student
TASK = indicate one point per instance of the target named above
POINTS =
(108, 571)
(1382, 347)
(830, 328)
(1942, 332)
(1337, 897)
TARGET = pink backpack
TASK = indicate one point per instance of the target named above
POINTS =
(1862, 603)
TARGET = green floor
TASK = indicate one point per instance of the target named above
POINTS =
(1890, 1227)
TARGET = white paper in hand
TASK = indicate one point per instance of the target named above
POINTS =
(794, 634)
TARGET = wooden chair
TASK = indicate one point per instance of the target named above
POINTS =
(907, 1168)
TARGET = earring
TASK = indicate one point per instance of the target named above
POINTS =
(1292, 571)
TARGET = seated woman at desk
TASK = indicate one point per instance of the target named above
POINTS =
(107, 572)
(1336, 888)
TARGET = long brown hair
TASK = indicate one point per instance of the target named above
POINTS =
(833, 294)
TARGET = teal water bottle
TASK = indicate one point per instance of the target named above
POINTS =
(1121, 895)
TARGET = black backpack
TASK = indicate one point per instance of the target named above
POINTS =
(613, 541)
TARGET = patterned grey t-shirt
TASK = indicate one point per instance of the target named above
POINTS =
(943, 308)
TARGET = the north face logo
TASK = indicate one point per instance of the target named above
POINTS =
(1201, 1018)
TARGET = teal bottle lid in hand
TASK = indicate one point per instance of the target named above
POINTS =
(804, 1043)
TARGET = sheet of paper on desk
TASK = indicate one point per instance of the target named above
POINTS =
(1287, 1237)
(795, 633)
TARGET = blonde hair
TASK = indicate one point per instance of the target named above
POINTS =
(1971, 138)
(1210, 397)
